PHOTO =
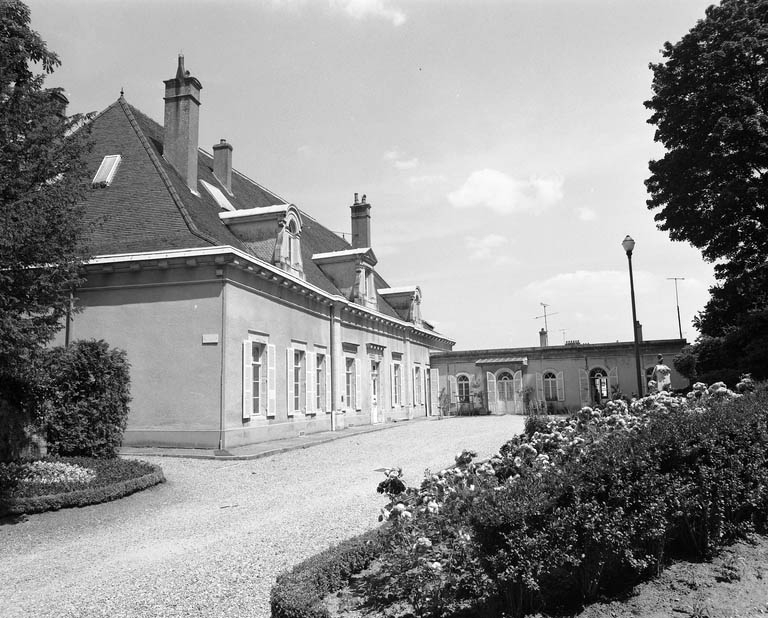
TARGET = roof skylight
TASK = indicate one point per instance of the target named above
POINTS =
(217, 195)
(106, 171)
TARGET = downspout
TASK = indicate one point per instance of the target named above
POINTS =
(223, 359)
(333, 368)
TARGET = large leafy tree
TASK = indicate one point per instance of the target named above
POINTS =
(42, 172)
(710, 108)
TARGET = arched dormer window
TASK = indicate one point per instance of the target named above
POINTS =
(288, 243)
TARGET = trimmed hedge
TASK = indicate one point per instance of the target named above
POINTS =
(299, 592)
(84, 399)
(111, 484)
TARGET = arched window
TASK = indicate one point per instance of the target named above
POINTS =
(463, 383)
(598, 385)
(505, 385)
(550, 386)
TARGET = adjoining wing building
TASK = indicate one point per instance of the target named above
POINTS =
(244, 318)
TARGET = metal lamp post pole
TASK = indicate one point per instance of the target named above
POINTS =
(628, 246)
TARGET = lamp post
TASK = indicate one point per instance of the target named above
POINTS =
(629, 245)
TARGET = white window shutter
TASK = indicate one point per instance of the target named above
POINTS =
(414, 387)
(358, 398)
(392, 397)
(405, 390)
(263, 383)
(453, 391)
(560, 386)
(517, 382)
(327, 384)
(493, 394)
(247, 380)
(583, 387)
(311, 379)
(289, 379)
(434, 390)
(613, 381)
(539, 387)
(271, 380)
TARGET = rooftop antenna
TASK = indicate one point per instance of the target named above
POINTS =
(677, 302)
(538, 317)
(562, 330)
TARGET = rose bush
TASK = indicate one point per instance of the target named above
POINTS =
(581, 507)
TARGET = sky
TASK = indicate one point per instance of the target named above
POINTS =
(503, 144)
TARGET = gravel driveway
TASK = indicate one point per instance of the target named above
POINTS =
(211, 540)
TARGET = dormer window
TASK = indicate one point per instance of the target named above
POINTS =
(287, 253)
(106, 172)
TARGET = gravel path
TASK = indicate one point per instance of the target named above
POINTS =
(211, 540)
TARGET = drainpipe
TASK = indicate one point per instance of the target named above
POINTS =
(223, 359)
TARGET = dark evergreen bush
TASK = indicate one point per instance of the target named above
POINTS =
(85, 395)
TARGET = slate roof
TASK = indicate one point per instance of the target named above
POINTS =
(148, 206)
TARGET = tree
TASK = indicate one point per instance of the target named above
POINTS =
(710, 108)
(42, 172)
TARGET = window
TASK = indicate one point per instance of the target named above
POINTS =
(320, 382)
(462, 382)
(106, 172)
(258, 378)
(598, 385)
(299, 381)
(397, 383)
(505, 386)
(550, 386)
(417, 386)
(352, 382)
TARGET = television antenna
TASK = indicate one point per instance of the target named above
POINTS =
(538, 317)
(677, 302)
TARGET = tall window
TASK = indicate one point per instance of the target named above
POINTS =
(350, 382)
(598, 380)
(299, 380)
(463, 385)
(257, 353)
(320, 376)
(505, 385)
(417, 389)
(550, 386)
(397, 384)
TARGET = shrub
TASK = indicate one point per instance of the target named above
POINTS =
(580, 507)
(85, 397)
(299, 592)
(54, 483)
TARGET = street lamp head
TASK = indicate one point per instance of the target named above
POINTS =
(628, 244)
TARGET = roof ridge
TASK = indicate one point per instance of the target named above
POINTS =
(163, 174)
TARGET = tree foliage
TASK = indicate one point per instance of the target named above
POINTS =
(42, 170)
(710, 108)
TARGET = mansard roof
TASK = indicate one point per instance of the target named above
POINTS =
(148, 206)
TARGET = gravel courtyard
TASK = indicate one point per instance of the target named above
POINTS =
(211, 540)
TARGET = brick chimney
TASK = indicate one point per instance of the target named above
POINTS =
(543, 338)
(361, 223)
(222, 164)
(182, 121)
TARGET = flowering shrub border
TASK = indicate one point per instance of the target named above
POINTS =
(114, 479)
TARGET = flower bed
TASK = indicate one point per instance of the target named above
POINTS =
(582, 508)
(54, 483)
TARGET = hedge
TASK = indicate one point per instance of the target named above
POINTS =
(20, 505)
(299, 592)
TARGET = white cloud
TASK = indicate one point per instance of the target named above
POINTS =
(407, 164)
(586, 214)
(496, 190)
(484, 248)
(360, 9)
(427, 179)
(356, 9)
(398, 159)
